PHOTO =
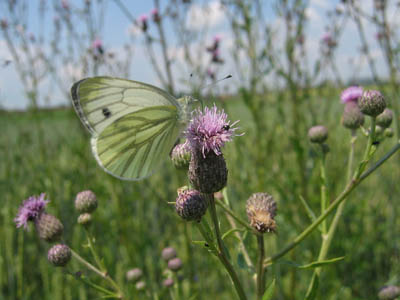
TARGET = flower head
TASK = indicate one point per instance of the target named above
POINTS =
(209, 131)
(261, 210)
(372, 103)
(97, 43)
(30, 210)
(351, 94)
(59, 255)
(142, 21)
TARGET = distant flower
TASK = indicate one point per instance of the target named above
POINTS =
(217, 38)
(216, 57)
(351, 94)
(211, 74)
(155, 15)
(30, 210)
(328, 40)
(4, 23)
(142, 21)
(379, 35)
(97, 46)
(65, 4)
(209, 131)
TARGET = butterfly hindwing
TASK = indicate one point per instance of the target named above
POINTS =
(133, 146)
(99, 101)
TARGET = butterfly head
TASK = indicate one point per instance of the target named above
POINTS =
(186, 104)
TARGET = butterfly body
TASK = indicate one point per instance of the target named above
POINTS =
(133, 125)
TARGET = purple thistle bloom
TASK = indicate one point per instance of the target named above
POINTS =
(209, 131)
(351, 94)
(30, 210)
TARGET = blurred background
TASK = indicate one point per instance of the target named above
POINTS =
(290, 60)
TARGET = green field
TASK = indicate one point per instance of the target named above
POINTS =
(49, 151)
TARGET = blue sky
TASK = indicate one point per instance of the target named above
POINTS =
(115, 33)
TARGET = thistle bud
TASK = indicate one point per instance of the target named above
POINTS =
(208, 174)
(261, 210)
(352, 117)
(180, 156)
(191, 205)
(175, 264)
(168, 282)
(134, 275)
(385, 119)
(85, 219)
(390, 292)
(318, 134)
(372, 103)
(388, 132)
(59, 255)
(49, 227)
(85, 202)
(378, 130)
(168, 253)
(140, 285)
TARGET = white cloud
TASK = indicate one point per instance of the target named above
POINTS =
(208, 15)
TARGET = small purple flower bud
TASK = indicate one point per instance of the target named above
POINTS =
(180, 156)
(168, 253)
(168, 282)
(85, 202)
(385, 118)
(351, 94)
(191, 205)
(65, 4)
(328, 40)
(30, 210)
(49, 227)
(59, 255)
(4, 24)
(175, 264)
(388, 132)
(85, 219)
(261, 211)
(318, 134)
(134, 275)
(352, 117)
(372, 103)
(140, 285)
(390, 292)
(143, 22)
(155, 15)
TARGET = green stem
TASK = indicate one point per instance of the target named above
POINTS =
(99, 264)
(221, 253)
(98, 272)
(349, 188)
(260, 267)
(324, 189)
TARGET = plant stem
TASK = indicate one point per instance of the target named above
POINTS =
(221, 253)
(98, 272)
(260, 267)
(324, 190)
(349, 188)
(94, 253)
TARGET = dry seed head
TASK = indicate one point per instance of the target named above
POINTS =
(261, 210)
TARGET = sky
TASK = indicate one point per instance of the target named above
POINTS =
(117, 30)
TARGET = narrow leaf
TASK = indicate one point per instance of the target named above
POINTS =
(308, 209)
(313, 288)
(270, 291)
(321, 263)
(232, 231)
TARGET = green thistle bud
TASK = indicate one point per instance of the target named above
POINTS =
(378, 130)
(388, 132)
(191, 205)
(385, 118)
(261, 210)
(390, 292)
(168, 253)
(49, 227)
(175, 264)
(372, 103)
(140, 285)
(168, 282)
(85, 202)
(318, 134)
(180, 156)
(208, 174)
(352, 117)
(134, 275)
(59, 255)
(85, 219)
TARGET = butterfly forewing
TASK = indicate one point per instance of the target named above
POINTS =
(100, 101)
(133, 147)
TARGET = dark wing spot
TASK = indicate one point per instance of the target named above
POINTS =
(106, 112)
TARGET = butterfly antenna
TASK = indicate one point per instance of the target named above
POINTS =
(215, 82)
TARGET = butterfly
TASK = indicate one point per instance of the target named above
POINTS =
(134, 125)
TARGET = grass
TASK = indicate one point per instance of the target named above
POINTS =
(49, 151)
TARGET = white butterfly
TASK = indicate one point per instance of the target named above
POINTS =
(133, 125)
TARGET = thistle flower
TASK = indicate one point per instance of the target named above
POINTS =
(86, 202)
(97, 45)
(175, 264)
(318, 134)
(261, 211)
(180, 156)
(351, 94)
(372, 103)
(328, 40)
(191, 205)
(168, 253)
(385, 118)
(59, 255)
(168, 282)
(4, 24)
(352, 117)
(134, 275)
(390, 292)
(143, 22)
(30, 210)
(155, 15)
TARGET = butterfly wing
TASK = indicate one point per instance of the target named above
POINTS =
(133, 125)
